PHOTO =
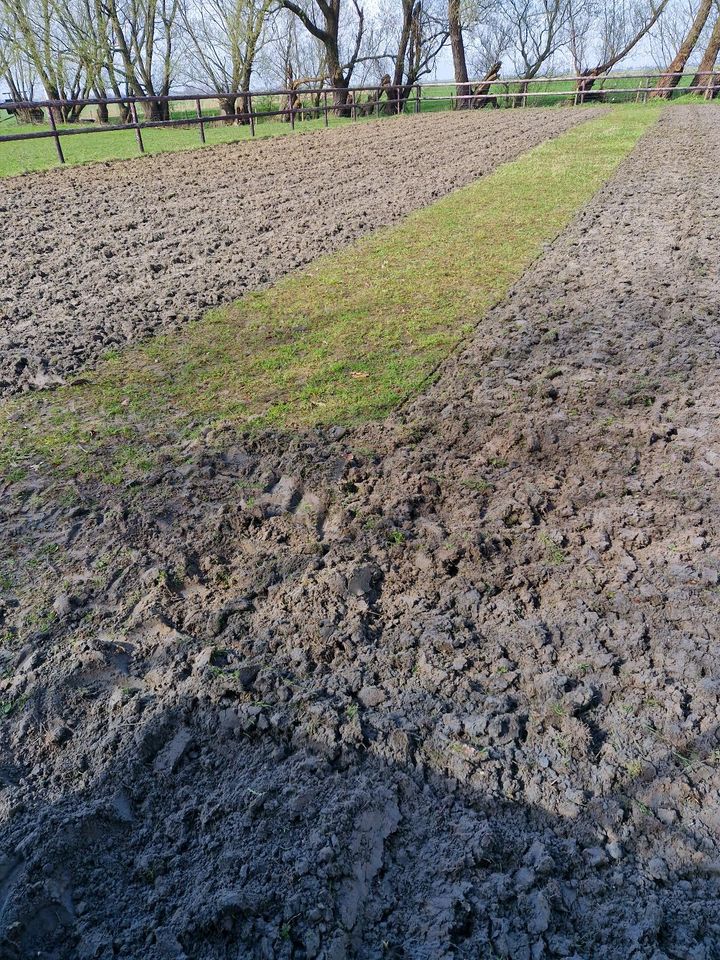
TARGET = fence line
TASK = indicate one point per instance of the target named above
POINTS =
(345, 102)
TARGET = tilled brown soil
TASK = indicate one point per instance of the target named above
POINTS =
(94, 258)
(445, 687)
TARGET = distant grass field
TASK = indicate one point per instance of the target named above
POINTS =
(33, 155)
(25, 156)
(343, 341)
(615, 90)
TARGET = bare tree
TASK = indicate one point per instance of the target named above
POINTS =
(704, 78)
(671, 77)
(143, 35)
(539, 28)
(324, 19)
(224, 39)
(16, 73)
(423, 34)
(669, 32)
(488, 37)
(457, 45)
(39, 36)
(88, 36)
(615, 26)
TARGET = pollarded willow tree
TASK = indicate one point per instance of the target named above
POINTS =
(15, 71)
(607, 32)
(706, 78)
(457, 46)
(671, 77)
(480, 35)
(224, 39)
(339, 25)
(412, 41)
(88, 39)
(539, 29)
(143, 36)
(40, 38)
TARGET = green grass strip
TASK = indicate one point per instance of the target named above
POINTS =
(341, 342)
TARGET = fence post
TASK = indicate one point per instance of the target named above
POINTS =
(201, 124)
(138, 132)
(58, 145)
(326, 107)
(417, 98)
(292, 112)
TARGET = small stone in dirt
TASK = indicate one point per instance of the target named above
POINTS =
(210, 657)
(62, 605)
(539, 919)
(595, 857)
(168, 760)
(658, 869)
(371, 696)
(58, 735)
(524, 879)
(361, 581)
(246, 674)
(614, 850)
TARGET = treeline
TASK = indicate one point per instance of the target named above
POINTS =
(70, 49)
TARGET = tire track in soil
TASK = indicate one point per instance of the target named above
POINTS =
(96, 257)
(441, 687)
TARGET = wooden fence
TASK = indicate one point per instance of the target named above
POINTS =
(322, 102)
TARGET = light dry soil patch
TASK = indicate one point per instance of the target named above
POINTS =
(444, 687)
(93, 258)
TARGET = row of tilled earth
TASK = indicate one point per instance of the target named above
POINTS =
(442, 687)
(94, 258)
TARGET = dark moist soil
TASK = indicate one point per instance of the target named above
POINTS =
(443, 687)
(93, 258)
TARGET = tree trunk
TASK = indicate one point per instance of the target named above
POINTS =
(457, 45)
(704, 78)
(338, 81)
(227, 106)
(244, 108)
(340, 96)
(482, 96)
(665, 84)
(154, 110)
(401, 54)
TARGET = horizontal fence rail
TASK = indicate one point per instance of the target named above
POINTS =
(323, 102)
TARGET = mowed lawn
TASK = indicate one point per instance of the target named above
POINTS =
(343, 341)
